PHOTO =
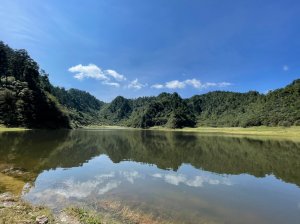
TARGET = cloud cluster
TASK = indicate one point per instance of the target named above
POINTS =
(195, 83)
(113, 78)
(108, 77)
(100, 184)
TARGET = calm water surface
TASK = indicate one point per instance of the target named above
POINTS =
(178, 177)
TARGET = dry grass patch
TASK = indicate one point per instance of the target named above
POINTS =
(15, 211)
(128, 215)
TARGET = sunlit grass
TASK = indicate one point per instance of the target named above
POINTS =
(5, 129)
(260, 131)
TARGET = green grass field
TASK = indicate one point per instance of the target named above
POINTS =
(260, 131)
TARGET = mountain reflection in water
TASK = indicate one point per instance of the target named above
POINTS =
(186, 176)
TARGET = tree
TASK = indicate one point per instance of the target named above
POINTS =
(3, 62)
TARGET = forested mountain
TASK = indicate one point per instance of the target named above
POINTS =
(28, 99)
(168, 110)
(279, 107)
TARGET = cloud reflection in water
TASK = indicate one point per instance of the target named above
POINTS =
(197, 181)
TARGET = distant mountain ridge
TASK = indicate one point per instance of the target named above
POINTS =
(28, 99)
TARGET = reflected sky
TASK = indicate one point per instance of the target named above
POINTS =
(196, 193)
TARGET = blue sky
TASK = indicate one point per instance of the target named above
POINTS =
(137, 47)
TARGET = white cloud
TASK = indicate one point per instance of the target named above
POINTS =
(209, 84)
(130, 176)
(105, 175)
(216, 84)
(197, 181)
(115, 75)
(157, 86)
(108, 187)
(175, 179)
(224, 84)
(108, 77)
(74, 189)
(195, 83)
(87, 71)
(135, 84)
(175, 84)
(285, 68)
(158, 175)
(80, 189)
(115, 84)
(113, 78)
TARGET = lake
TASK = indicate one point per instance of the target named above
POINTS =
(155, 176)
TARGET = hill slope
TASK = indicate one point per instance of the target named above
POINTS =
(28, 99)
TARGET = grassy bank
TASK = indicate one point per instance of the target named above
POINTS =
(4, 128)
(260, 131)
(286, 132)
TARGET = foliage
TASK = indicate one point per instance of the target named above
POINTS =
(23, 101)
(168, 110)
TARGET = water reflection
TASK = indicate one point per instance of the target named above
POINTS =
(185, 177)
(196, 181)
(44, 150)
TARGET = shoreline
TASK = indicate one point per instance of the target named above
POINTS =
(291, 133)
(14, 209)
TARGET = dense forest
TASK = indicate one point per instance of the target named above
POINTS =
(28, 99)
